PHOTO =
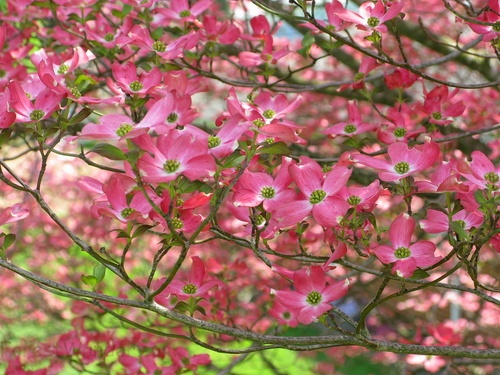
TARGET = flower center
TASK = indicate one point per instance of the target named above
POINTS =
(402, 252)
(259, 123)
(313, 298)
(37, 114)
(496, 27)
(3, 73)
(330, 28)
(461, 222)
(350, 128)
(126, 212)
(159, 46)
(259, 220)
(124, 129)
(185, 13)
(326, 168)
(359, 76)
(177, 223)
(213, 141)
(437, 115)
(354, 200)
(268, 192)
(173, 117)
(267, 57)
(171, 165)
(109, 37)
(373, 21)
(269, 113)
(317, 196)
(189, 289)
(76, 93)
(402, 167)
(491, 177)
(136, 86)
(399, 132)
(63, 69)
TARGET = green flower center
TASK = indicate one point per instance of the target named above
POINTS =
(76, 93)
(373, 21)
(173, 117)
(213, 141)
(269, 141)
(267, 57)
(3, 73)
(491, 177)
(171, 165)
(124, 129)
(496, 27)
(317, 196)
(126, 212)
(354, 200)
(109, 37)
(185, 13)
(330, 28)
(399, 132)
(189, 289)
(267, 192)
(326, 168)
(159, 46)
(63, 69)
(259, 123)
(177, 223)
(402, 252)
(437, 115)
(359, 76)
(136, 86)
(314, 298)
(402, 167)
(259, 220)
(37, 114)
(350, 128)
(461, 222)
(269, 113)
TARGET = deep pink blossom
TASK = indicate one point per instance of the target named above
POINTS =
(313, 294)
(438, 221)
(403, 162)
(481, 172)
(132, 83)
(438, 105)
(405, 256)
(372, 16)
(353, 125)
(318, 195)
(174, 153)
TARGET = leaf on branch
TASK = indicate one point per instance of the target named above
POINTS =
(278, 148)
(419, 274)
(108, 151)
(99, 271)
(141, 230)
(90, 280)
(80, 116)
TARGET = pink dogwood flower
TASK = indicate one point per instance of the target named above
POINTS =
(404, 161)
(481, 172)
(132, 83)
(194, 287)
(372, 16)
(254, 188)
(313, 294)
(353, 125)
(27, 111)
(318, 195)
(438, 222)
(405, 256)
(438, 106)
(174, 153)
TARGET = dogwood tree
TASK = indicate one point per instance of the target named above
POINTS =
(244, 176)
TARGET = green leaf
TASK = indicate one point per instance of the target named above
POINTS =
(479, 196)
(459, 230)
(109, 151)
(89, 280)
(99, 271)
(278, 148)
(419, 274)
(80, 116)
(3, 5)
(123, 234)
(308, 40)
(233, 160)
(141, 230)
(8, 240)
